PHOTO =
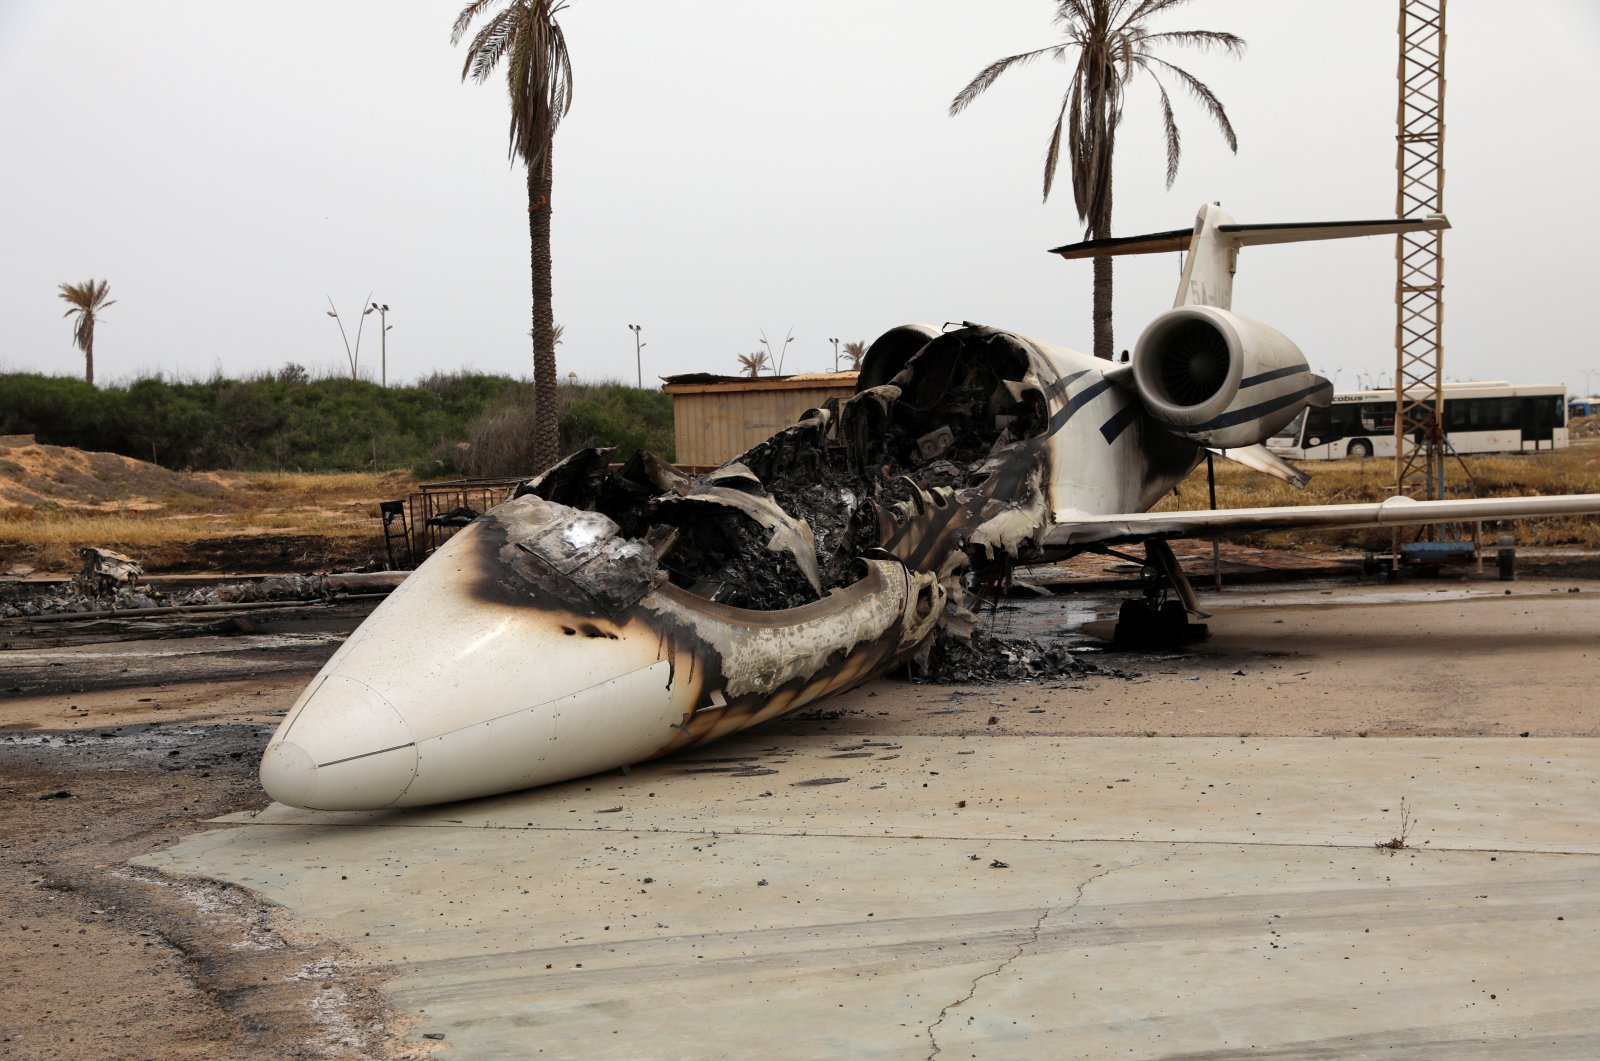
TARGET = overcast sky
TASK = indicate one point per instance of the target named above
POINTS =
(739, 165)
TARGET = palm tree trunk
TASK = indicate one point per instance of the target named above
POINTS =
(1102, 93)
(547, 430)
(88, 356)
(1102, 309)
(1101, 229)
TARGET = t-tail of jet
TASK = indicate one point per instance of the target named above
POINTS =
(1205, 372)
(1214, 241)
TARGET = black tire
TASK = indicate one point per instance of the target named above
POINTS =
(1360, 448)
(1135, 620)
(1141, 626)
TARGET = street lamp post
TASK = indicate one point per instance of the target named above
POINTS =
(638, 352)
(1588, 388)
(835, 343)
(383, 363)
(354, 356)
(777, 366)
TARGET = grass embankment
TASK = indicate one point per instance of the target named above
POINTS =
(1575, 470)
(443, 426)
(213, 474)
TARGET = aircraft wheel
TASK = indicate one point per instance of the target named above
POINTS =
(1135, 624)
(1141, 626)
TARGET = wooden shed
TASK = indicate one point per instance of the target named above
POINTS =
(715, 418)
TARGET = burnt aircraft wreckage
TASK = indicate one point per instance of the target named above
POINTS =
(602, 618)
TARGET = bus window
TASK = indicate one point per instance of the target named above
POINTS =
(1346, 420)
(1291, 430)
(1377, 419)
(1539, 418)
(1317, 427)
(1494, 414)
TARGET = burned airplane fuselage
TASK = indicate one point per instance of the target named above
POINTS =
(601, 618)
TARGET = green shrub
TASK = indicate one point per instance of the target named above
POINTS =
(285, 420)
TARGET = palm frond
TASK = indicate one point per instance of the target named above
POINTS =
(991, 73)
(1169, 125)
(1075, 144)
(490, 43)
(1069, 12)
(1203, 39)
(1207, 98)
(467, 16)
(1052, 154)
(561, 61)
(1149, 8)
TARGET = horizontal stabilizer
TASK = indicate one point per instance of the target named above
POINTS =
(1249, 236)
(1153, 243)
(1395, 512)
(1215, 240)
(1256, 235)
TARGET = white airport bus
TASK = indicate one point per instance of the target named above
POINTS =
(1486, 417)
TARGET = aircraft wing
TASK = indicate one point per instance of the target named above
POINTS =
(1223, 523)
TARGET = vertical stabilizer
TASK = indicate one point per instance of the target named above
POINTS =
(1213, 258)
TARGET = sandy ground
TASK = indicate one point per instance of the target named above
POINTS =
(102, 960)
(109, 750)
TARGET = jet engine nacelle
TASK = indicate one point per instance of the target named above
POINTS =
(1220, 379)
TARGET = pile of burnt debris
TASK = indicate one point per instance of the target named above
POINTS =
(983, 657)
(76, 597)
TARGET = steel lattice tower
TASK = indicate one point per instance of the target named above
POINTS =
(1419, 257)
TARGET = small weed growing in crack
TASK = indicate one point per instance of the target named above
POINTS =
(1402, 840)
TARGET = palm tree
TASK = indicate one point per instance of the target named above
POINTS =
(87, 299)
(856, 352)
(539, 83)
(1111, 41)
(754, 363)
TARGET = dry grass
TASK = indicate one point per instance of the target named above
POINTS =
(340, 505)
(1575, 470)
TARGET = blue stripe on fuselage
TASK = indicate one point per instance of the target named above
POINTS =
(1239, 416)
(1115, 426)
(1264, 377)
(1079, 400)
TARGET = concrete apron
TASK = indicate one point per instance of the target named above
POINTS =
(1143, 897)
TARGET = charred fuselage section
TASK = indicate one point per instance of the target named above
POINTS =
(655, 611)
(941, 467)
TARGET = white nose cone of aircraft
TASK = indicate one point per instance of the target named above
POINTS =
(453, 688)
(539, 645)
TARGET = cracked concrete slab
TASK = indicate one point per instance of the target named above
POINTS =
(894, 878)
(1163, 897)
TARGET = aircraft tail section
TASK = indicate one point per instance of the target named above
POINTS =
(1214, 241)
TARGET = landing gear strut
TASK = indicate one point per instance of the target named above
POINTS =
(1161, 618)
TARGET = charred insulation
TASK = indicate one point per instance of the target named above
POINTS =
(904, 466)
